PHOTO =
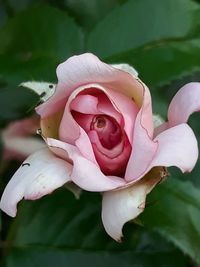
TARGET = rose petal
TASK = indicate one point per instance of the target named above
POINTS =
(84, 145)
(184, 103)
(143, 148)
(85, 173)
(98, 104)
(127, 108)
(85, 69)
(40, 174)
(178, 147)
(86, 104)
(121, 206)
(164, 126)
(50, 125)
(106, 107)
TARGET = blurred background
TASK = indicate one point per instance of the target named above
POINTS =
(161, 39)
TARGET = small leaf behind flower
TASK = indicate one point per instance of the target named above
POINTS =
(43, 89)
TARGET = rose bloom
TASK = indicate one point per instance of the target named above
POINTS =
(98, 128)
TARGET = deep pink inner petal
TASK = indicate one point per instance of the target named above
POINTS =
(109, 141)
(111, 161)
(107, 129)
(102, 123)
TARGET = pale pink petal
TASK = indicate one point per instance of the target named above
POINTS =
(85, 69)
(121, 206)
(86, 104)
(184, 103)
(85, 173)
(127, 108)
(70, 131)
(178, 147)
(95, 104)
(143, 147)
(84, 145)
(39, 175)
(164, 126)
(106, 107)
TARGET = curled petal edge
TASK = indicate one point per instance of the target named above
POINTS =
(121, 206)
(39, 175)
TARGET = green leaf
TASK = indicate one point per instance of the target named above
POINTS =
(88, 13)
(59, 229)
(35, 41)
(161, 63)
(40, 257)
(176, 215)
(141, 22)
(160, 39)
(3, 14)
(10, 109)
(22, 4)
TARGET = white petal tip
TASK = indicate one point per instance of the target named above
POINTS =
(12, 212)
(39, 175)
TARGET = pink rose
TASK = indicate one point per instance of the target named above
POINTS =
(98, 127)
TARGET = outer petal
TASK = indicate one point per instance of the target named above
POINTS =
(144, 148)
(85, 173)
(121, 206)
(161, 128)
(39, 175)
(50, 125)
(184, 103)
(85, 69)
(178, 147)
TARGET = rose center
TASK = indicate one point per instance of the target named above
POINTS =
(100, 122)
(108, 130)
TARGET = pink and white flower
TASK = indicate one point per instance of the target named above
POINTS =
(99, 131)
